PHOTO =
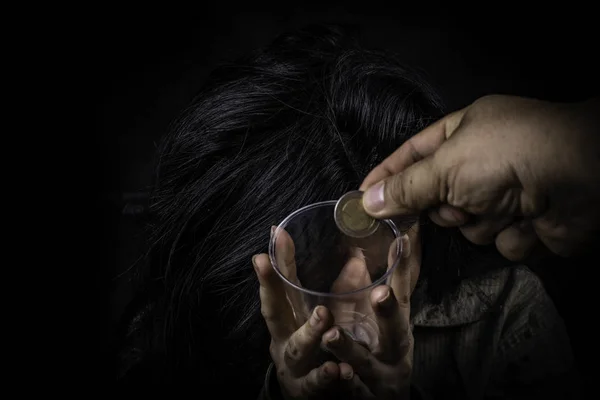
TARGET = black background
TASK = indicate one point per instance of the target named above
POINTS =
(147, 63)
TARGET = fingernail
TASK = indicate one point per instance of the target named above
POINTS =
(328, 372)
(332, 337)
(358, 253)
(450, 214)
(383, 299)
(348, 375)
(273, 229)
(314, 318)
(405, 246)
(373, 200)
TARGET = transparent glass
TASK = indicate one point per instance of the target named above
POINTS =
(321, 265)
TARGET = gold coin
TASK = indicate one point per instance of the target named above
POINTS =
(351, 218)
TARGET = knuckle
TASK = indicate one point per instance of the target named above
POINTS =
(484, 99)
(268, 314)
(403, 300)
(396, 190)
(453, 192)
(292, 352)
(308, 335)
(281, 374)
(307, 331)
(273, 350)
(486, 104)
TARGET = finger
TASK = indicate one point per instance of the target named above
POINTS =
(397, 250)
(303, 345)
(285, 254)
(561, 239)
(362, 305)
(273, 305)
(417, 188)
(347, 350)
(346, 372)
(393, 318)
(405, 274)
(415, 149)
(353, 276)
(285, 258)
(448, 216)
(517, 241)
(319, 380)
(484, 230)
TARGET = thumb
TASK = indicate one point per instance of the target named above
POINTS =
(415, 189)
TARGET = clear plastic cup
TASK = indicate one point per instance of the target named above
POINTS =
(321, 265)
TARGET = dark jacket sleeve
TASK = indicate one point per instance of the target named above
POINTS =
(534, 358)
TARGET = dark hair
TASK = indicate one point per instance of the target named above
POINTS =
(300, 121)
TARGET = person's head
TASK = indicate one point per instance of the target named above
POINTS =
(300, 121)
